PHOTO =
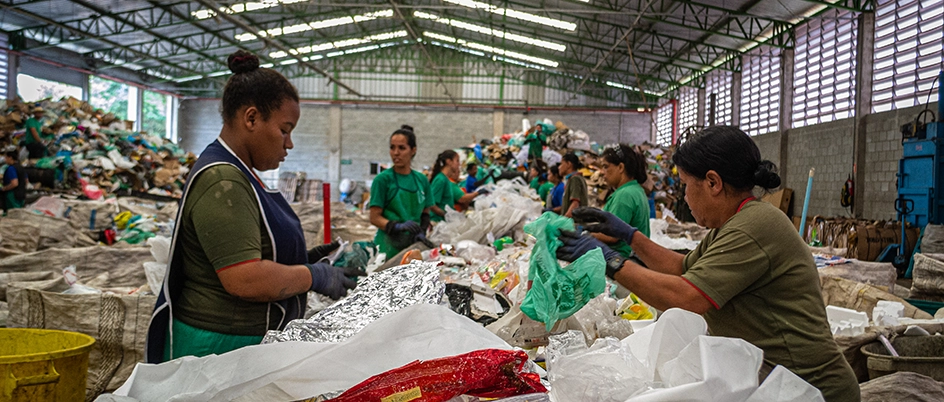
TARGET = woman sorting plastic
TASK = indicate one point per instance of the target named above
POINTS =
(555, 197)
(400, 198)
(575, 187)
(238, 263)
(624, 170)
(445, 191)
(752, 277)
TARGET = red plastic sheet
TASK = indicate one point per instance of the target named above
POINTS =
(488, 373)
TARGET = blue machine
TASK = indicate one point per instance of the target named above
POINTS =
(921, 174)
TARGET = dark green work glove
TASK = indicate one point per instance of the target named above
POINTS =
(332, 281)
(576, 245)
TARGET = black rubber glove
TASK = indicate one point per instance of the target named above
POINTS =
(598, 221)
(483, 191)
(332, 281)
(422, 239)
(576, 245)
(424, 222)
(395, 228)
(322, 251)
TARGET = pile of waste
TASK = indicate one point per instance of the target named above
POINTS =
(91, 152)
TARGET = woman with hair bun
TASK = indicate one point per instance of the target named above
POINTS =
(400, 198)
(752, 277)
(238, 264)
(446, 192)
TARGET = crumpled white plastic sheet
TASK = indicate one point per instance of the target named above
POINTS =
(672, 360)
(298, 370)
(503, 212)
(657, 235)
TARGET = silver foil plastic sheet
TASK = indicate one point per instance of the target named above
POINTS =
(377, 295)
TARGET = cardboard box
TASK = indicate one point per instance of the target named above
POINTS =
(781, 199)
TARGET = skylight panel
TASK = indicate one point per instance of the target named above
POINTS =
(339, 44)
(332, 22)
(493, 32)
(523, 16)
(491, 49)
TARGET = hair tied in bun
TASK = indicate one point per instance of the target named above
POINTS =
(242, 62)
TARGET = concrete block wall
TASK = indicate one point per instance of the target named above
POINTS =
(769, 145)
(828, 148)
(603, 127)
(364, 132)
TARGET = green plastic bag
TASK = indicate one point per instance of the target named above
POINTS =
(558, 292)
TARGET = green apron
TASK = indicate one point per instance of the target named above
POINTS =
(405, 203)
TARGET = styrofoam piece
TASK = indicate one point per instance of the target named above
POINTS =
(887, 313)
(846, 322)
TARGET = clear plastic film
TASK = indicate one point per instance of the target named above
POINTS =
(379, 294)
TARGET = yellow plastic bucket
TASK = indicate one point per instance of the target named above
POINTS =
(43, 364)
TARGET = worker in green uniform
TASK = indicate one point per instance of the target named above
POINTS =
(535, 140)
(34, 139)
(624, 170)
(14, 183)
(539, 180)
(445, 191)
(575, 186)
(238, 265)
(400, 198)
(752, 277)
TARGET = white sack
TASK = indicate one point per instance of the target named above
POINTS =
(303, 370)
(784, 386)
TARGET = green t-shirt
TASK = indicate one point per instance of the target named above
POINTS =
(574, 189)
(445, 194)
(221, 227)
(534, 185)
(545, 189)
(402, 198)
(630, 204)
(32, 123)
(764, 285)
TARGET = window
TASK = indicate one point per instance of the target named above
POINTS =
(110, 96)
(824, 73)
(688, 108)
(664, 124)
(760, 91)
(4, 67)
(909, 52)
(718, 87)
(154, 114)
(32, 89)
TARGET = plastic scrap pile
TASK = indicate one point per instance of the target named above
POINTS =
(94, 153)
(503, 212)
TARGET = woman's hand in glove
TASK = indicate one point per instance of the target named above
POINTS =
(394, 228)
(332, 281)
(576, 245)
(599, 221)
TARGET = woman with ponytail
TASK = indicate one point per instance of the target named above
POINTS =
(445, 191)
(752, 277)
(400, 198)
(624, 171)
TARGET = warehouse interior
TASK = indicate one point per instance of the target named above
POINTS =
(842, 96)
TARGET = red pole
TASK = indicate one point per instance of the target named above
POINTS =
(326, 192)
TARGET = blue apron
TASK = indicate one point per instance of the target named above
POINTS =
(288, 248)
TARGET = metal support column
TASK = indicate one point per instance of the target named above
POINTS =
(735, 99)
(700, 118)
(863, 105)
(787, 57)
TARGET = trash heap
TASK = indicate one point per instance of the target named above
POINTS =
(93, 153)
